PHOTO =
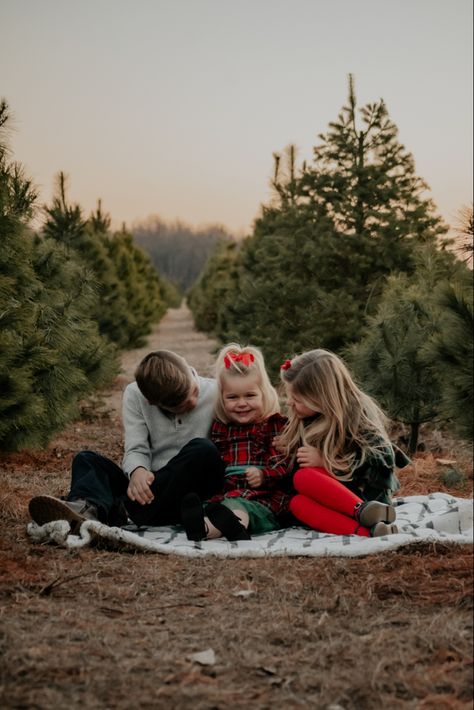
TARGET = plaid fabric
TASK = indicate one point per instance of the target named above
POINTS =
(251, 445)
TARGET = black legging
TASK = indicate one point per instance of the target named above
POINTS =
(197, 468)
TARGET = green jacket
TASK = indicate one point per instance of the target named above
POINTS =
(376, 479)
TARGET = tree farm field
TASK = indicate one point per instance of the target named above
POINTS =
(98, 628)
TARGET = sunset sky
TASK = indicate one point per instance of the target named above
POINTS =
(174, 107)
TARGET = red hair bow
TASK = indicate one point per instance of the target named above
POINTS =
(286, 365)
(245, 358)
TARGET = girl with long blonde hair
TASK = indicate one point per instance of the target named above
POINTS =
(336, 437)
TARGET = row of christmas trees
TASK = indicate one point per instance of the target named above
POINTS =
(71, 296)
(352, 257)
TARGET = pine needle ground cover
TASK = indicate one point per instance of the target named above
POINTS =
(96, 628)
(100, 629)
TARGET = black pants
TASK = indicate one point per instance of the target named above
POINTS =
(197, 468)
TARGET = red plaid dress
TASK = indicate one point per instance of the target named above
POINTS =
(251, 445)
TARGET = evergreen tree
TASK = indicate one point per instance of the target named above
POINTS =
(19, 293)
(65, 223)
(464, 230)
(285, 301)
(170, 292)
(449, 352)
(207, 296)
(140, 283)
(89, 241)
(389, 360)
(51, 353)
(319, 255)
(77, 359)
(365, 181)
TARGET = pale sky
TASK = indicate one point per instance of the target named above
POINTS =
(174, 107)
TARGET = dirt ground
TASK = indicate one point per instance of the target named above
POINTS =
(94, 628)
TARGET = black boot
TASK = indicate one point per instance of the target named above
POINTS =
(192, 517)
(227, 522)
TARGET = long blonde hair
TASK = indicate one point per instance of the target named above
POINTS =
(234, 359)
(350, 425)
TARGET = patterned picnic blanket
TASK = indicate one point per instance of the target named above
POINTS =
(435, 517)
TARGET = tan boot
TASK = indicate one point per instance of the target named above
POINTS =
(373, 512)
(45, 509)
(381, 529)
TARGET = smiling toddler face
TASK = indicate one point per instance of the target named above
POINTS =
(242, 399)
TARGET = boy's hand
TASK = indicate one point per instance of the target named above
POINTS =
(309, 456)
(254, 477)
(139, 486)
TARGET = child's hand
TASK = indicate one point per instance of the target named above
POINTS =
(309, 456)
(254, 477)
(139, 486)
(277, 445)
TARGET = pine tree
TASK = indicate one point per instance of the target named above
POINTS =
(365, 181)
(65, 222)
(87, 241)
(320, 253)
(464, 230)
(140, 283)
(449, 351)
(79, 359)
(390, 359)
(19, 294)
(207, 297)
(387, 359)
(170, 292)
(51, 353)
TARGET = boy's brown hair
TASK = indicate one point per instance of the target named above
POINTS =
(164, 378)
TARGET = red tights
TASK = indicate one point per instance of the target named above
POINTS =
(325, 504)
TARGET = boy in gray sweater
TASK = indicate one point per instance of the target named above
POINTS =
(167, 415)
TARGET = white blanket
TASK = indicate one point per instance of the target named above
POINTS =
(437, 517)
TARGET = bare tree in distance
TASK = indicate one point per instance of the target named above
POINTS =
(179, 251)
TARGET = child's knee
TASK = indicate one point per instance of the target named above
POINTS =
(296, 504)
(242, 515)
(84, 458)
(305, 478)
(202, 445)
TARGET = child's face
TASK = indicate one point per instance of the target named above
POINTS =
(243, 399)
(296, 404)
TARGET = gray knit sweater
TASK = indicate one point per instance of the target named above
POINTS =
(152, 437)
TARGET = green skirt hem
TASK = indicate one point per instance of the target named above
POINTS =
(261, 519)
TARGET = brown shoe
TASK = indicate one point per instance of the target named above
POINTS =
(45, 509)
(372, 512)
(381, 529)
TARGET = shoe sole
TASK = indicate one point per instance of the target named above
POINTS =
(381, 529)
(46, 509)
(377, 512)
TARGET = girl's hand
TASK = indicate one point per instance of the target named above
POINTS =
(276, 445)
(139, 486)
(309, 456)
(254, 477)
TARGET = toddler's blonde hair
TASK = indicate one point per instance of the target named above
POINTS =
(246, 361)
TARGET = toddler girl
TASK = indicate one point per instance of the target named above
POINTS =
(336, 438)
(247, 420)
